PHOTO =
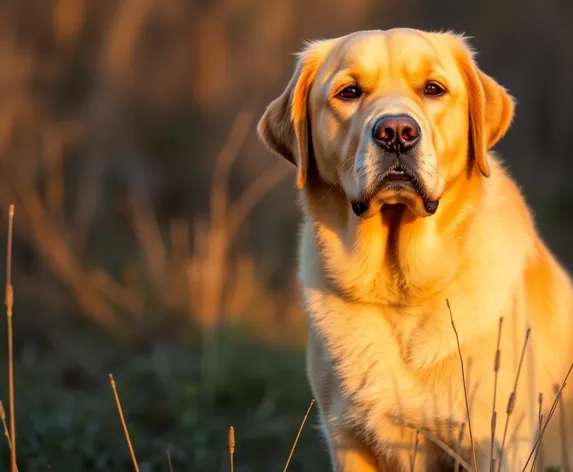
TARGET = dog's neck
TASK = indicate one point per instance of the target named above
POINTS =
(394, 258)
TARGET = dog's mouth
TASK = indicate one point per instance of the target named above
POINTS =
(398, 184)
(397, 174)
(398, 179)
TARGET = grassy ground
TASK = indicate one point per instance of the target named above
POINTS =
(67, 418)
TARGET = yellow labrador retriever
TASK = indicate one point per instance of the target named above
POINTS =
(405, 208)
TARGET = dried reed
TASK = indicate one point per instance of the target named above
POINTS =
(168, 454)
(511, 400)
(125, 430)
(4, 425)
(564, 440)
(465, 388)
(540, 425)
(459, 446)
(298, 435)
(414, 452)
(9, 299)
(496, 365)
(232, 447)
(549, 416)
(441, 444)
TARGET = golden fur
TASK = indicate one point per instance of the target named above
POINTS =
(382, 355)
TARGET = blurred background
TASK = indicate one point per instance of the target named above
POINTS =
(155, 236)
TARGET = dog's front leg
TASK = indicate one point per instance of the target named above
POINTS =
(349, 456)
(346, 453)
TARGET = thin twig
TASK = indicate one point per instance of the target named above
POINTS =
(511, 401)
(125, 430)
(9, 299)
(298, 434)
(414, 452)
(465, 388)
(549, 416)
(496, 365)
(459, 446)
(540, 425)
(168, 454)
(232, 447)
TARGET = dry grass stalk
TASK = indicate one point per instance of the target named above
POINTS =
(459, 446)
(564, 442)
(465, 387)
(441, 444)
(511, 401)
(538, 456)
(298, 435)
(414, 452)
(232, 447)
(4, 425)
(125, 430)
(168, 454)
(496, 365)
(9, 299)
(549, 416)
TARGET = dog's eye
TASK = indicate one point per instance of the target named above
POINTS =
(434, 89)
(350, 92)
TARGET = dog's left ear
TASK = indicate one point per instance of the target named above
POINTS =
(284, 127)
(490, 110)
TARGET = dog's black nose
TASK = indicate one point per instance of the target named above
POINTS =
(396, 133)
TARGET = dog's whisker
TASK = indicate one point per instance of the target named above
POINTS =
(344, 162)
(329, 189)
(433, 166)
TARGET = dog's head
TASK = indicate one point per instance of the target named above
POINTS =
(391, 116)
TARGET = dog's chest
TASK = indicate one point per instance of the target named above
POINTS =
(384, 280)
(404, 321)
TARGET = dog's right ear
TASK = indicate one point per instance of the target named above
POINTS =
(284, 127)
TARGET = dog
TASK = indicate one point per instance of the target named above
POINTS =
(413, 227)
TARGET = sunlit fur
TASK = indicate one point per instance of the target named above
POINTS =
(381, 348)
